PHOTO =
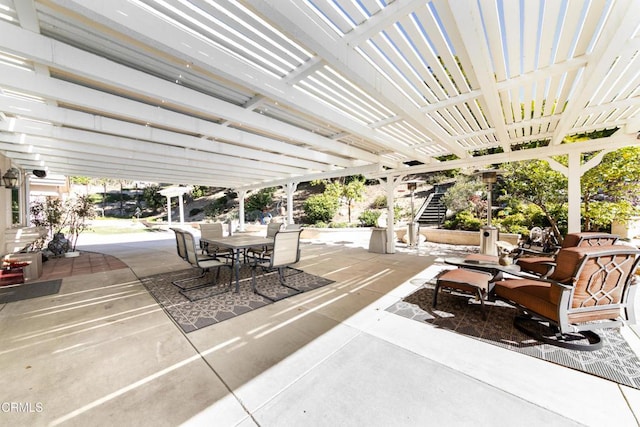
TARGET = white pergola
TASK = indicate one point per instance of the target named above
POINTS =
(179, 192)
(253, 93)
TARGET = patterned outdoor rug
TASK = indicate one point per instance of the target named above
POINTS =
(197, 308)
(460, 313)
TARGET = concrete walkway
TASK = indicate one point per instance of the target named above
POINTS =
(102, 352)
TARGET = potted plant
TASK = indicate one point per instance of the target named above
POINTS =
(49, 214)
(57, 216)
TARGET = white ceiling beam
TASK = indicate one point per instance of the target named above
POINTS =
(336, 52)
(65, 153)
(85, 64)
(469, 25)
(187, 47)
(611, 143)
(91, 122)
(621, 25)
(67, 138)
(140, 112)
(360, 170)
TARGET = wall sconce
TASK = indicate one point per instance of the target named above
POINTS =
(10, 178)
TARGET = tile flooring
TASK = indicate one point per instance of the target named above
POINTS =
(85, 263)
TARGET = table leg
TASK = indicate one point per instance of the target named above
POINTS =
(236, 257)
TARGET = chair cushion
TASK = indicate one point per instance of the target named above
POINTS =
(568, 260)
(589, 290)
(588, 238)
(465, 280)
(535, 264)
(530, 293)
(209, 263)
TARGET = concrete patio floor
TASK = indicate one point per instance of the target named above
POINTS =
(103, 352)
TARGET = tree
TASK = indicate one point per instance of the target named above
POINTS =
(57, 216)
(463, 195)
(260, 200)
(352, 190)
(152, 197)
(78, 212)
(535, 182)
(610, 190)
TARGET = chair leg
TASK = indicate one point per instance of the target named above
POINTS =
(550, 334)
(280, 279)
(482, 306)
(207, 285)
(188, 279)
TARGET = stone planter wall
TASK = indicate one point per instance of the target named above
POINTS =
(627, 230)
(336, 234)
(456, 237)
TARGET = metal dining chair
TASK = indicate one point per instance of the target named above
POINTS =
(213, 231)
(284, 253)
(204, 263)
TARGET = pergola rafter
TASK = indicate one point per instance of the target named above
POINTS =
(248, 93)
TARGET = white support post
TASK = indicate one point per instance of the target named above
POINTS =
(241, 195)
(574, 172)
(389, 186)
(181, 205)
(169, 210)
(573, 225)
(291, 188)
(25, 201)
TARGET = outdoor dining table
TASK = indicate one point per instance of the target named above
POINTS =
(238, 243)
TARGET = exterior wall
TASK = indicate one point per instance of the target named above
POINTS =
(5, 203)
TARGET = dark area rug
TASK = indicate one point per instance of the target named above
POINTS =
(29, 290)
(460, 313)
(198, 308)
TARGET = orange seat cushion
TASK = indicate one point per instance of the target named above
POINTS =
(465, 280)
(529, 293)
(535, 264)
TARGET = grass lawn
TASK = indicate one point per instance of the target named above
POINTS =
(116, 226)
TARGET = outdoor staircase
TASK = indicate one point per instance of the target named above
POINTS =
(432, 212)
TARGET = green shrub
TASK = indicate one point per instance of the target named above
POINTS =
(199, 191)
(464, 220)
(379, 202)
(338, 225)
(369, 218)
(117, 197)
(320, 207)
(259, 200)
(216, 207)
